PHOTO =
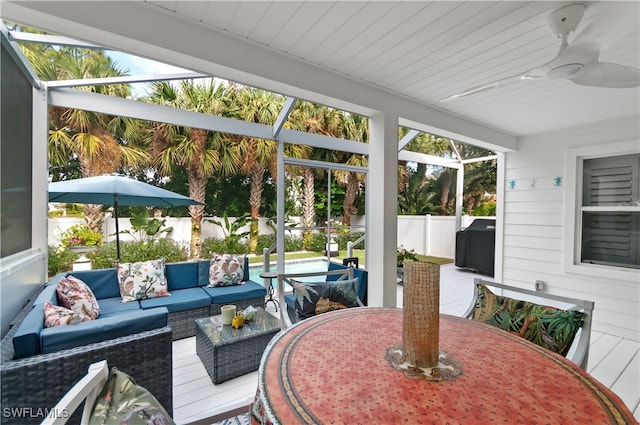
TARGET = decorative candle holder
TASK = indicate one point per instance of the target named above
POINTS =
(421, 314)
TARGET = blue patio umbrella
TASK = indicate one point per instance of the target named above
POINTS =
(115, 190)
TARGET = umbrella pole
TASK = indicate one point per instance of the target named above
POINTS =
(115, 214)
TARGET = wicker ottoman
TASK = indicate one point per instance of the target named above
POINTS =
(227, 352)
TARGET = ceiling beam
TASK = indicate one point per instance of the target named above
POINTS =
(428, 159)
(156, 33)
(407, 139)
(324, 142)
(283, 116)
(125, 80)
(76, 99)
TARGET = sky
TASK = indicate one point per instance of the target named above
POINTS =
(138, 66)
(141, 66)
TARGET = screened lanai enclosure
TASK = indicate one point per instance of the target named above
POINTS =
(344, 162)
(490, 75)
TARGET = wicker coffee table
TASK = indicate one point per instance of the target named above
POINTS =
(227, 352)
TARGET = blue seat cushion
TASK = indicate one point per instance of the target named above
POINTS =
(181, 275)
(230, 294)
(102, 329)
(111, 306)
(180, 300)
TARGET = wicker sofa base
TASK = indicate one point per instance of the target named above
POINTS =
(183, 323)
(33, 384)
(214, 309)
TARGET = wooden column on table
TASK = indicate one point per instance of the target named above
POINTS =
(421, 314)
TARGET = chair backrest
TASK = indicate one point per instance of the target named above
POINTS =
(286, 278)
(88, 388)
(579, 354)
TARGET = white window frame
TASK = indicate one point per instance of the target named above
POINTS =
(573, 218)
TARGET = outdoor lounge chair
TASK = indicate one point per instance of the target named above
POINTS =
(288, 315)
(579, 351)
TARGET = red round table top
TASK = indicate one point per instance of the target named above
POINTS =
(331, 369)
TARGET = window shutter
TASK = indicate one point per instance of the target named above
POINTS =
(611, 237)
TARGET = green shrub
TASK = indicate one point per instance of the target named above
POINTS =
(343, 238)
(223, 246)
(264, 241)
(317, 242)
(131, 251)
(60, 261)
(293, 243)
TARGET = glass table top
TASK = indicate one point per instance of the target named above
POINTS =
(218, 333)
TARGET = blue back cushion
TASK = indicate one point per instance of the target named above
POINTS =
(181, 275)
(103, 282)
(359, 273)
(26, 340)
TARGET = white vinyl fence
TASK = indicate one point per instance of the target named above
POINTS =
(429, 235)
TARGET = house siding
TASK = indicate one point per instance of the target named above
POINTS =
(533, 240)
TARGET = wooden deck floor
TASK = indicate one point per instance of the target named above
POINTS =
(613, 361)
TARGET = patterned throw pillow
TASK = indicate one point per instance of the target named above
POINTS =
(549, 327)
(77, 296)
(139, 281)
(122, 401)
(225, 269)
(320, 297)
(55, 315)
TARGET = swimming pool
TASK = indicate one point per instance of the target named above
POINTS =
(295, 266)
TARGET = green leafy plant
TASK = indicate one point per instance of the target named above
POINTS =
(144, 228)
(405, 255)
(232, 229)
(59, 262)
(80, 235)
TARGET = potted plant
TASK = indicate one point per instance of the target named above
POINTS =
(402, 256)
(80, 239)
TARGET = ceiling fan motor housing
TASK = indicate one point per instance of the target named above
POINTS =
(565, 20)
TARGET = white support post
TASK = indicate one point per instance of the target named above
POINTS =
(40, 174)
(382, 207)
(459, 197)
(280, 210)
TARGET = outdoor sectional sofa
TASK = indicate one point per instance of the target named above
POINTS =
(39, 364)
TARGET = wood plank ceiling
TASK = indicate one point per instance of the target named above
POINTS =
(429, 50)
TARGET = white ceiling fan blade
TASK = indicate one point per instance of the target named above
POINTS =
(605, 74)
(484, 87)
(613, 22)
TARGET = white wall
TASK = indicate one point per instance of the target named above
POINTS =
(534, 220)
(430, 235)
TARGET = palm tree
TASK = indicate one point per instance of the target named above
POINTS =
(320, 120)
(356, 128)
(101, 143)
(199, 152)
(435, 145)
(263, 107)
